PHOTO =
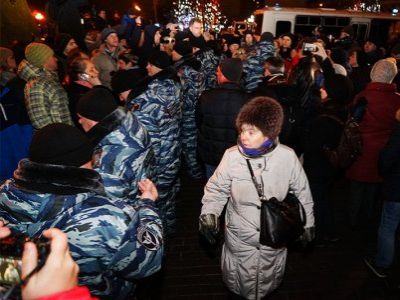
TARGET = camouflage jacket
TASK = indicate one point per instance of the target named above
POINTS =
(113, 243)
(209, 63)
(253, 66)
(159, 110)
(45, 99)
(123, 154)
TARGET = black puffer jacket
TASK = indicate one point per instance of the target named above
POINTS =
(216, 112)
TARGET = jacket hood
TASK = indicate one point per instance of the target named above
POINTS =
(27, 71)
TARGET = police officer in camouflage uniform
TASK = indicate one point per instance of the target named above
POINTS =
(112, 242)
(123, 154)
(159, 109)
(209, 60)
(253, 66)
(192, 81)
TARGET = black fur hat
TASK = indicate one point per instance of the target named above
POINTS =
(263, 112)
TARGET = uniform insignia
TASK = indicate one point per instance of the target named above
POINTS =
(96, 158)
(148, 239)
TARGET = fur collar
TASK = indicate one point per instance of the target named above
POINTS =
(57, 179)
(106, 126)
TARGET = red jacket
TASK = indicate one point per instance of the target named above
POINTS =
(77, 293)
(376, 126)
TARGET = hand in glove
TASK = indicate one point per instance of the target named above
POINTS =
(209, 227)
(308, 235)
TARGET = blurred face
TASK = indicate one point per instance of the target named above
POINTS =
(122, 65)
(176, 56)
(102, 14)
(249, 39)
(233, 48)
(86, 123)
(196, 29)
(286, 42)
(70, 46)
(91, 70)
(251, 137)
(353, 59)
(124, 95)
(369, 47)
(112, 40)
(11, 62)
(152, 70)
(157, 37)
(51, 64)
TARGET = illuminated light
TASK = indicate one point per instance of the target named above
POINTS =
(321, 5)
(395, 11)
(137, 7)
(38, 15)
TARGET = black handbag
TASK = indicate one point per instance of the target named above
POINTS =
(281, 222)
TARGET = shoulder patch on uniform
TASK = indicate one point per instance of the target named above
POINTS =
(148, 239)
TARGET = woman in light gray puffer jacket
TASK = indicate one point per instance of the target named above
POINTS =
(250, 269)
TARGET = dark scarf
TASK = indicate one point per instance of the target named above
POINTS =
(57, 179)
(265, 148)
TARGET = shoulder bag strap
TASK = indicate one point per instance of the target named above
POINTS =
(256, 184)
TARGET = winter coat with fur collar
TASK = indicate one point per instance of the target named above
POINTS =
(113, 243)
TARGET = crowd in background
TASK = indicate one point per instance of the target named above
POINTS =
(85, 122)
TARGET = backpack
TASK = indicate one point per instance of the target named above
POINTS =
(350, 142)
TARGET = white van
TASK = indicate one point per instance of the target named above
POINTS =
(279, 20)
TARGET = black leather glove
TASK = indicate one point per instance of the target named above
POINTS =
(308, 235)
(209, 227)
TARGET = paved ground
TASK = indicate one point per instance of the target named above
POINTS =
(332, 271)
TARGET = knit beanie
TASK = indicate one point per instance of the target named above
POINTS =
(232, 69)
(5, 53)
(60, 144)
(339, 88)
(383, 71)
(198, 42)
(96, 104)
(61, 41)
(160, 59)
(125, 80)
(106, 32)
(38, 54)
(263, 112)
(183, 48)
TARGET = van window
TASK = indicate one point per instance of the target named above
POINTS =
(259, 20)
(282, 27)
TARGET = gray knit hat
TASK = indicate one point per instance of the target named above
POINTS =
(384, 71)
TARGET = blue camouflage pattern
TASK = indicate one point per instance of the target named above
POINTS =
(105, 237)
(160, 112)
(253, 66)
(124, 156)
(193, 85)
(209, 63)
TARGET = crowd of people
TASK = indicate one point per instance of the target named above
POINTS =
(93, 138)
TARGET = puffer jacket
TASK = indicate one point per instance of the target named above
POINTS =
(250, 269)
(123, 154)
(376, 127)
(112, 242)
(253, 66)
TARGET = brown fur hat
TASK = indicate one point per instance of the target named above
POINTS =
(263, 112)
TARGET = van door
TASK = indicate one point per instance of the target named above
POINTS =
(361, 28)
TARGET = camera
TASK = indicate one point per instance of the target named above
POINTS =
(11, 249)
(309, 47)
